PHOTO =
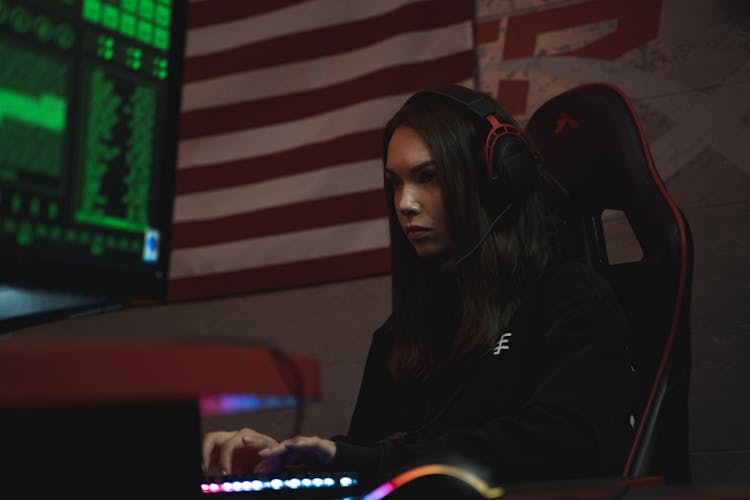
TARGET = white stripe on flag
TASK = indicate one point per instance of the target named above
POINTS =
(294, 19)
(279, 249)
(231, 146)
(323, 183)
(260, 141)
(318, 73)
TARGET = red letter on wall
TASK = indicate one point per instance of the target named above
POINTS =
(637, 23)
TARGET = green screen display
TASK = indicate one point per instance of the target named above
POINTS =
(88, 128)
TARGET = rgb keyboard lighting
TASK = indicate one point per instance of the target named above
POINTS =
(276, 484)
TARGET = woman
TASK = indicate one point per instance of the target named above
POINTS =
(500, 351)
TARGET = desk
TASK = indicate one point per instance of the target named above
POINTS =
(125, 417)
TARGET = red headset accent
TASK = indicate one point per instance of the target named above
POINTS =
(498, 131)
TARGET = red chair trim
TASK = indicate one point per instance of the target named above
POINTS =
(682, 281)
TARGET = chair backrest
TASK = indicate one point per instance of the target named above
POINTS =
(592, 142)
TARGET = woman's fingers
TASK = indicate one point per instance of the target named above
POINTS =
(234, 451)
(247, 450)
(315, 448)
(299, 450)
(211, 445)
(228, 449)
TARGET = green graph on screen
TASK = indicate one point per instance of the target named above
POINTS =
(115, 182)
(33, 116)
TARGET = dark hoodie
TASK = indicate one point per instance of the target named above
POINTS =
(554, 399)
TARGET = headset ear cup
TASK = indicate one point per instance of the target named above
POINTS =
(510, 166)
(504, 149)
(519, 166)
(493, 186)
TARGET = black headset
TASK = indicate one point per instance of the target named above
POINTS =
(510, 161)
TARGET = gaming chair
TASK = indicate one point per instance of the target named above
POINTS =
(591, 141)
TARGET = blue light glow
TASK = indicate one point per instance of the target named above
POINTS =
(223, 404)
(346, 481)
(292, 483)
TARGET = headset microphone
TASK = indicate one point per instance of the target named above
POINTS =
(450, 266)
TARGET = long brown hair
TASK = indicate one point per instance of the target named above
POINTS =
(490, 285)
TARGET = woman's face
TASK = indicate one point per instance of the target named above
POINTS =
(417, 198)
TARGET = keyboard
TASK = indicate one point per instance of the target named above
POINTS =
(286, 484)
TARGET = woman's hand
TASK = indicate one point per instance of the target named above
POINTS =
(235, 452)
(299, 450)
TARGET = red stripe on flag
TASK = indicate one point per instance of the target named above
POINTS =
(388, 81)
(308, 272)
(341, 150)
(300, 216)
(221, 11)
(327, 41)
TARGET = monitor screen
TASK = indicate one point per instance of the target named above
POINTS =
(89, 116)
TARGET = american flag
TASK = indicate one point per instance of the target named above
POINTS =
(279, 169)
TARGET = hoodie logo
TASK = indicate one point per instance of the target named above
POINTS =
(503, 344)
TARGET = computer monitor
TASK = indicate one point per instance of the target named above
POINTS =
(89, 120)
